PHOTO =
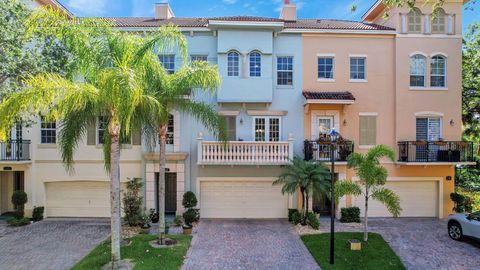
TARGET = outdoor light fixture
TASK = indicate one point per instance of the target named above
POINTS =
(452, 122)
(344, 122)
(334, 136)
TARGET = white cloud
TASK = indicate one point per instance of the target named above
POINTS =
(229, 2)
(88, 7)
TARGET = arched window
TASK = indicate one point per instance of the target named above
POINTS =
(438, 22)
(233, 64)
(417, 70)
(255, 64)
(415, 21)
(438, 72)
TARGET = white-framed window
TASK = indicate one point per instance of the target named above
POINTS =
(267, 129)
(418, 69)
(102, 123)
(48, 131)
(439, 22)
(358, 68)
(255, 59)
(199, 57)
(438, 71)
(233, 64)
(170, 129)
(429, 128)
(285, 70)
(415, 21)
(325, 67)
(168, 62)
(368, 130)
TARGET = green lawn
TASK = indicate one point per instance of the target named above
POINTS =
(375, 254)
(141, 253)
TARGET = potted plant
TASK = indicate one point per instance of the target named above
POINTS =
(154, 215)
(191, 214)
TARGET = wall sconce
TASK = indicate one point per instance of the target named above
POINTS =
(449, 178)
(344, 122)
(241, 121)
(452, 122)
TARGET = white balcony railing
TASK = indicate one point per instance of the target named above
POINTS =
(244, 153)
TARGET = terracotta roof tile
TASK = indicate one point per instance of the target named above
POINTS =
(328, 95)
(203, 22)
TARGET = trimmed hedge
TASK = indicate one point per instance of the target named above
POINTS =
(313, 221)
(350, 214)
(297, 218)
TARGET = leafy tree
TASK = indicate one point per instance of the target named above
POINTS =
(178, 91)
(22, 52)
(471, 85)
(104, 79)
(372, 179)
(310, 177)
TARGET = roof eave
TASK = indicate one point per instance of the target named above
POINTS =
(329, 101)
(373, 11)
(216, 24)
(339, 31)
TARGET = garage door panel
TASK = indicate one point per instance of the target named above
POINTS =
(241, 199)
(417, 199)
(78, 199)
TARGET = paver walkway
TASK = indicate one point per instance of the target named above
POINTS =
(247, 244)
(421, 243)
(52, 244)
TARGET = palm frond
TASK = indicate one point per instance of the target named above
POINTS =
(389, 199)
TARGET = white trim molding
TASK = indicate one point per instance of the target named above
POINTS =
(329, 101)
(266, 113)
(418, 52)
(439, 53)
(229, 113)
(429, 113)
(368, 113)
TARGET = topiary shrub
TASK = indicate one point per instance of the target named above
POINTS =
(313, 221)
(189, 200)
(18, 221)
(297, 218)
(37, 213)
(19, 199)
(132, 203)
(191, 214)
(350, 214)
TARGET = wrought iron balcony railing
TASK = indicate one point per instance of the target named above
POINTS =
(435, 151)
(15, 150)
(321, 150)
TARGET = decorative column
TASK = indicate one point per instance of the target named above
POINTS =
(199, 148)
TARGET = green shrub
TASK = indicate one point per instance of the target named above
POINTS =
(297, 218)
(19, 199)
(190, 215)
(313, 221)
(178, 220)
(290, 213)
(350, 214)
(132, 203)
(463, 203)
(189, 200)
(18, 221)
(37, 213)
(144, 221)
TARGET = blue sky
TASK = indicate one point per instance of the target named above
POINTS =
(327, 9)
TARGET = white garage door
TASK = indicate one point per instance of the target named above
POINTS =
(417, 199)
(245, 199)
(78, 199)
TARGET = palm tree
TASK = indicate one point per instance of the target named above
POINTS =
(372, 179)
(175, 91)
(311, 178)
(104, 79)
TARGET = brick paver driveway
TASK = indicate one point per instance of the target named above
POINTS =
(247, 244)
(52, 244)
(422, 243)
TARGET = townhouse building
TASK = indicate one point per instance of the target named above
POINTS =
(286, 83)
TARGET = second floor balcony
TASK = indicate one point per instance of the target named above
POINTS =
(435, 151)
(244, 152)
(322, 150)
(15, 150)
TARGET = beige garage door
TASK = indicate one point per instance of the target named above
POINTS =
(78, 199)
(245, 199)
(417, 199)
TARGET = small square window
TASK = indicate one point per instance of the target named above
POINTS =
(357, 68)
(325, 67)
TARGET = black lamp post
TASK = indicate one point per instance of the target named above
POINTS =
(334, 135)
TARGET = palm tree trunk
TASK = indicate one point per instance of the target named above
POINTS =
(161, 183)
(306, 209)
(115, 195)
(365, 232)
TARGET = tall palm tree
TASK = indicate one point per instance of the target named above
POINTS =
(178, 91)
(104, 79)
(372, 179)
(311, 178)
